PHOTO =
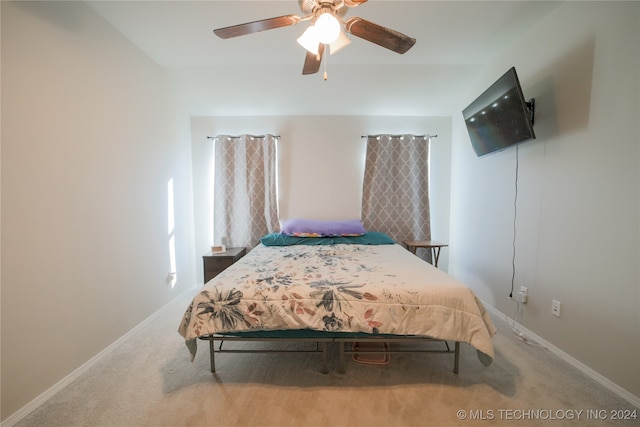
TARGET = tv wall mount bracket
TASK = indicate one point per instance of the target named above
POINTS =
(531, 110)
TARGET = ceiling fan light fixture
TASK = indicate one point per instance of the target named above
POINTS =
(327, 27)
(309, 40)
(341, 42)
(327, 30)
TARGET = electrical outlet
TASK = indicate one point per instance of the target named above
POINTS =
(521, 295)
(555, 307)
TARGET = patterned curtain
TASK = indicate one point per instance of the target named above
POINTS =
(395, 197)
(245, 201)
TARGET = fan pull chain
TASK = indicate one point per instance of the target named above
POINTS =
(326, 59)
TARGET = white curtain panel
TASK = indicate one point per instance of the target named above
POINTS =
(395, 197)
(245, 199)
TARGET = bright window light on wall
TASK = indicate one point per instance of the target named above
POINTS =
(172, 278)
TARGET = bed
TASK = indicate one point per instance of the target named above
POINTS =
(342, 290)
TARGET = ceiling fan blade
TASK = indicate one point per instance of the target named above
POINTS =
(256, 26)
(379, 35)
(354, 3)
(312, 61)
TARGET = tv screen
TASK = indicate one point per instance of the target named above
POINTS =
(500, 117)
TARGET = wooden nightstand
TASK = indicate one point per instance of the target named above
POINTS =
(215, 264)
(431, 245)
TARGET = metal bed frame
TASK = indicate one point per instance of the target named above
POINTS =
(322, 345)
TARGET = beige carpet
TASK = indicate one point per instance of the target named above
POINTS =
(149, 381)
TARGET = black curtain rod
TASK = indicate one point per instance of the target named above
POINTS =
(278, 136)
(396, 136)
(240, 136)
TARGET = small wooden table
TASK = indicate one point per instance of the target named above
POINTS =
(215, 264)
(432, 245)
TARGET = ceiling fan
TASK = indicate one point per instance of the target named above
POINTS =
(326, 29)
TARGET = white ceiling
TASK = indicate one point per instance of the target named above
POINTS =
(260, 74)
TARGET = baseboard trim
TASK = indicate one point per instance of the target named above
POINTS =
(49, 393)
(634, 400)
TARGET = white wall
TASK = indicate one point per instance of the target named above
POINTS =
(321, 165)
(91, 136)
(578, 207)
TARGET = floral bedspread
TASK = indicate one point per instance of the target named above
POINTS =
(377, 289)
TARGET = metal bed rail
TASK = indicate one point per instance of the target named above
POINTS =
(322, 347)
(446, 350)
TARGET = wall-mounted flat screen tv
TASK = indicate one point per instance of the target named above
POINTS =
(500, 117)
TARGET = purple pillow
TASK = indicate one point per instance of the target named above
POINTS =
(322, 228)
